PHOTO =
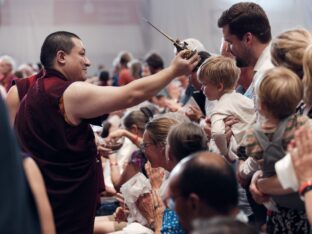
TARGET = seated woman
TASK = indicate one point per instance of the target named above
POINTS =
(121, 170)
(183, 139)
(153, 147)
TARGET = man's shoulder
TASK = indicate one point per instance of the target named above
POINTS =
(264, 61)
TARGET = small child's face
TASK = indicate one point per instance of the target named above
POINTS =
(211, 91)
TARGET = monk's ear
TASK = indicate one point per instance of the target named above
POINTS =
(60, 57)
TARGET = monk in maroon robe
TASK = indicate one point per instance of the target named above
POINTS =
(51, 124)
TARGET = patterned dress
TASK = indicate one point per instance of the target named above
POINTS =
(171, 223)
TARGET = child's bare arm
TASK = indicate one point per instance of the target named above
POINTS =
(218, 133)
(220, 140)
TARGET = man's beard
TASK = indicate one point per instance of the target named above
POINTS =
(241, 63)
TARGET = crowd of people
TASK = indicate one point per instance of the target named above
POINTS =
(199, 146)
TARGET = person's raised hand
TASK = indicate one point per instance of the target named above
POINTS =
(115, 134)
(121, 214)
(155, 175)
(181, 66)
(194, 113)
(159, 207)
(101, 147)
(301, 152)
(146, 207)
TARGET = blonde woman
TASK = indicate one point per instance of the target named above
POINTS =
(288, 49)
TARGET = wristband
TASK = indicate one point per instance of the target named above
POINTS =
(305, 187)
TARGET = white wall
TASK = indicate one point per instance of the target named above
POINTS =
(109, 26)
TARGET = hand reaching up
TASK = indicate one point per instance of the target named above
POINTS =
(155, 175)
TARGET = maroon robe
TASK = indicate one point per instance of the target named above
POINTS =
(65, 154)
(24, 84)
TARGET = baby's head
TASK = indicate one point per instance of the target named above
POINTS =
(279, 93)
(218, 75)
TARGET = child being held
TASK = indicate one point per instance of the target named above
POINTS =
(218, 76)
(278, 95)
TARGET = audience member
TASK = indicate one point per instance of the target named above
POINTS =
(104, 78)
(124, 76)
(194, 88)
(218, 76)
(246, 28)
(278, 95)
(288, 49)
(17, 93)
(134, 122)
(116, 70)
(154, 63)
(25, 70)
(190, 195)
(183, 139)
(7, 66)
(136, 69)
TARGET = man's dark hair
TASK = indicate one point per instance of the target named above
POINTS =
(53, 43)
(139, 117)
(154, 62)
(214, 182)
(246, 17)
(203, 55)
(104, 76)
